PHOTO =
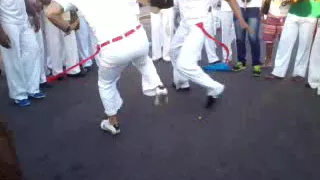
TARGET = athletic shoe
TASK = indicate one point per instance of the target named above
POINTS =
(87, 69)
(211, 100)
(45, 85)
(239, 67)
(106, 126)
(161, 96)
(39, 95)
(256, 71)
(22, 103)
(166, 59)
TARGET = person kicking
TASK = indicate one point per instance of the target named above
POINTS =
(188, 42)
(122, 40)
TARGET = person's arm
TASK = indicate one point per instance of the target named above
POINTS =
(236, 10)
(31, 10)
(54, 14)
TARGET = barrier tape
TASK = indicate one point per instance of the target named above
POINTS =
(225, 47)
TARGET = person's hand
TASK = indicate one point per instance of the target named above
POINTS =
(36, 24)
(263, 20)
(75, 26)
(4, 40)
(245, 25)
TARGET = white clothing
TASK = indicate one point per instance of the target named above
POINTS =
(314, 66)
(186, 45)
(295, 26)
(225, 6)
(135, 6)
(252, 3)
(21, 61)
(277, 9)
(13, 12)
(84, 41)
(101, 23)
(137, 47)
(194, 11)
(71, 52)
(116, 56)
(228, 31)
(162, 32)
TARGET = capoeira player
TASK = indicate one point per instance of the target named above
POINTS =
(20, 51)
(314, 66)
(123, 40)
(187, 43)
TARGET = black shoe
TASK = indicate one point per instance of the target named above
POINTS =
(78, 75)
(61, 78)
(46, 85)
(210, 102)
(187, 89)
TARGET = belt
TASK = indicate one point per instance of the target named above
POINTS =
(118, 38)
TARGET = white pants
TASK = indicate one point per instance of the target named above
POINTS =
(209, 44)
(114, 60)
(43, 58)
(161, 32)
(54, 47)
(314, 66)
(21, 61)
(228, 31)
(71, 52)
(186, 44)
(84, 41)
(303, 28)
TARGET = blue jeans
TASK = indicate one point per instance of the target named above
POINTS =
(252, 17)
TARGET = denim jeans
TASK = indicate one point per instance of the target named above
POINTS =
(252, 17)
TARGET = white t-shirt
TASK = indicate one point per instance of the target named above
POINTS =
(13, 12)
(194, 10)
(277, 9)
(108, 19)
(252, 3)
(135, 6)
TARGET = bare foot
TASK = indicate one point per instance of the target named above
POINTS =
(272, 77)
(297, 78)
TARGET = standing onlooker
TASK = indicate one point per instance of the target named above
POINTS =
(227, 27)
(251, 13)
(273, 27)
(20, 51)
(162, 29)
(314, 66)
(300, 22)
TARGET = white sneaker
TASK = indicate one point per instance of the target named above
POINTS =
(106, 126)
(166, 59)
(161, 96)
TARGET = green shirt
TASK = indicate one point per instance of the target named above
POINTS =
(306, 8)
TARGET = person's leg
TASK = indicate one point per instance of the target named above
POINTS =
(72, 58)
(254, 39)
(241, 43)
(13, 64)
(285, 46)
(269, 36)
(156, 36)
(43, 77)
(314, 66)
(187, 66)
(210, 45)
(167, 21)
(83, 41)
(228, 32)
(30, 56)
(180, 82)
(306, 34)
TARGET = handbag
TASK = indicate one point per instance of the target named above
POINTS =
(266, 6)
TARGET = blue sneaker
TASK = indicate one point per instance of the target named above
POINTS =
(39, 95)
(22, 103)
